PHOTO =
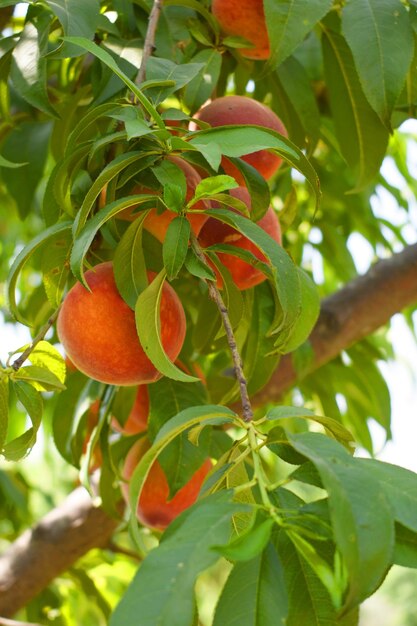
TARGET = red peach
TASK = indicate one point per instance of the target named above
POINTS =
(137, 420)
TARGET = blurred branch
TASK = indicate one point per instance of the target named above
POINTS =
(11, 622)
(50, 548)
(77, 526)
(149, 45)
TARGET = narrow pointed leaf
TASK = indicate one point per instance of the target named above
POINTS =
(175, 248)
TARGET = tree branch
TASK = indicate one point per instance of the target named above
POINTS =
(51, 547)
(149, 44)
(17, 364)
(347, 316)
(74, 528)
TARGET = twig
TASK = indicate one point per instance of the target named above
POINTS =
(149, 44)
(237, 360)
(41, 334)
(116, 549)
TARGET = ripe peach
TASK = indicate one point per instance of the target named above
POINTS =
(157, 223)
(243, 110)
(92, 420)
(98, 330)
(137, 420)
(245, 18)
(243, 274)
(154, 507)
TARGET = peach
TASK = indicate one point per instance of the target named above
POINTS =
(243, 110)
(98, 330)
(92, 421)
(157, 223)
(137, 420)
(244, 18)
(154, 507)
(243, 274)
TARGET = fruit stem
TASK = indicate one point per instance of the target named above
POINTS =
(215, 295)
(16, 365)
(149, 44)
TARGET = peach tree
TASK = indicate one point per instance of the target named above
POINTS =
(181, 182)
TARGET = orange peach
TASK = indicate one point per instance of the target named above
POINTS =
(155, 509)
(243, 110)
(244, 18)
(157, 223)
(243, 274)
(98, 330)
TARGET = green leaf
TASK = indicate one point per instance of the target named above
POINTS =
(213, 185)
(257, 186)
(288, 290)
(249, 544)
(291, 412)
(254, 593)
(289, 22)
(147, 325)
(46, 236)
(86, 236)
(399, 486)
(162, 591)
(360, 512)
(4, 408)
(46, 356)
(32, 401)
(55, 268)
(405, 552)
(77, 18)
(169, 174)
(10, 164)
(258, 361)
(181, 458)
(40, 377)
(175, 246)
(196, 267)
(129, 262)
(308, 599)
(310, 309)
(361, 135)
(108, 60)
(28, 70)
(380, 37)
(27, 142)
(200, 88)
(111, 170)
(232, 142)
(163, 69)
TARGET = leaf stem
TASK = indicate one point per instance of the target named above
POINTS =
(149, 45)
(16, 365)
(216, 296)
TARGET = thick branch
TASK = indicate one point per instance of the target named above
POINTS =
(51, 547)
(361, 307)
(77, 526)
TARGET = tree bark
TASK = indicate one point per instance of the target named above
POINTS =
(77, 526)
(51, 547)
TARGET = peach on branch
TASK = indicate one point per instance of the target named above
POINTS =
(244, 18)
(155, 509)
(243, 110)
(157, 223)
(98, 330)
(214, 231)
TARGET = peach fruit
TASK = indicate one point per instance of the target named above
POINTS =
(243, 110)
(154, 507)
(243, 274)
(244, 18)
(137, 420)
(98, 330)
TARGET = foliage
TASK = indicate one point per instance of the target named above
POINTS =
(306, 529)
